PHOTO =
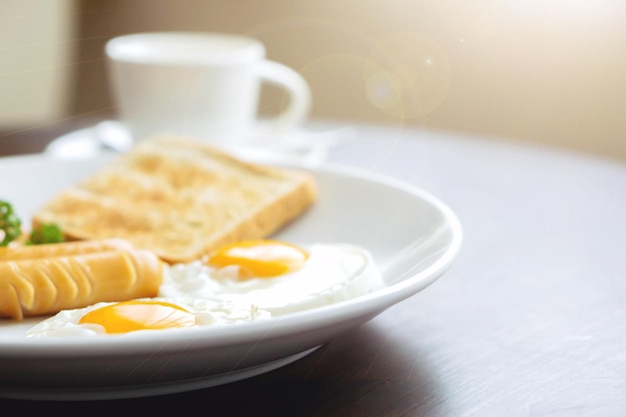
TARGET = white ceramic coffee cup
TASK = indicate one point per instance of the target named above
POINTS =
(204, 85)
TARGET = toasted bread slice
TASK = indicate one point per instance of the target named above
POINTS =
(180, 198)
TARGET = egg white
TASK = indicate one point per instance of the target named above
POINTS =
(207, 312)
(333, 273)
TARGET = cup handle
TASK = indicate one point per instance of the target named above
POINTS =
(299, 92)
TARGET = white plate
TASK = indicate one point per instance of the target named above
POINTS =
(308, 146)
(412, 236)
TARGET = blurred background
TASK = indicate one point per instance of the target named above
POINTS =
(537, 72)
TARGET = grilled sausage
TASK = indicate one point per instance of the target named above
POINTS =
(65, 248)
(46, 285)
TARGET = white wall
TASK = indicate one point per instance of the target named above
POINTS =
(35, 53)
(542, 72)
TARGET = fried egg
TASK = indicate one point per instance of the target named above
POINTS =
(240, 282)
(275, 276)
(145, 314)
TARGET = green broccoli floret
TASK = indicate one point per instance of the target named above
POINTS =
(10, 224)
(45, 233)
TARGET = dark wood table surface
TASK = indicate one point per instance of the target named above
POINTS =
(529, 321)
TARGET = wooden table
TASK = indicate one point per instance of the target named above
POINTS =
(529, 321)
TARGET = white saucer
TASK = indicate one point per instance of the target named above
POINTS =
(305, 146)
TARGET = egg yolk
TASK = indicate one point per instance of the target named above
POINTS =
(128, 316)
(260, 258)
